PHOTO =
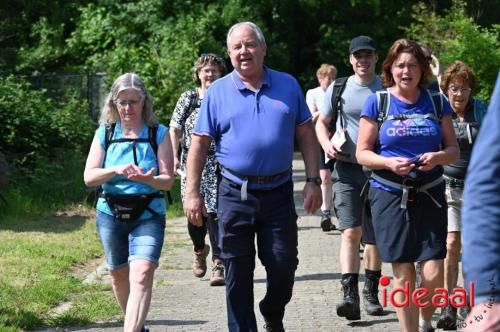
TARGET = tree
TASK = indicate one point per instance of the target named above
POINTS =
(455, 36)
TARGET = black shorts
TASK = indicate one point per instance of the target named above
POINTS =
(322, 165)
(415, 234)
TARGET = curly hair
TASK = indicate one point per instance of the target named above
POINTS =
(326, 70)
(208, 59)
(109, 113)
(458, 69)
(405, 46)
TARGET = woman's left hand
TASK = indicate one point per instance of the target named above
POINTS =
(138, 175)
(429, 160)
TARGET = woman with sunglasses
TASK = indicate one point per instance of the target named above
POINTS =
(207, 68)
(457, 84)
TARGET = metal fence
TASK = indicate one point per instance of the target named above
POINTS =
(91, 87)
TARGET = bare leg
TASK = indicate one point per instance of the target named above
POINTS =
(349, 250)
(121, 286)
(141, 286)
(372, 258)
(453, 246)
(407, 316)
(432, 278)
(326, 189)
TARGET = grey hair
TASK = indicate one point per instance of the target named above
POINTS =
(109, 113)
(253, 26)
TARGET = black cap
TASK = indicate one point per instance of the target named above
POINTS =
(362, 43)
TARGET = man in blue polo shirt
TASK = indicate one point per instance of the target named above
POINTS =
(253, 114)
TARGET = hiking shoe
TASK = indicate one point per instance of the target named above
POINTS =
(370, 296)
(217, 278)
(274, 327)
(200, 262)
(448, 318)
(349, 307)
(326, 221)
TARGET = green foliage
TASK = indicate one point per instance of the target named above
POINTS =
(455, 36)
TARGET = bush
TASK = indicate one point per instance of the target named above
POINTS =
(44, 141)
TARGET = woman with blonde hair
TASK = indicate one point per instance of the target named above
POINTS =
(131, 160)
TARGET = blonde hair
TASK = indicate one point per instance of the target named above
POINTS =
(109, 113)
(326, 70)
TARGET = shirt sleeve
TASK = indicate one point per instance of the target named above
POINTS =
(304, 114)
(181, 109)
(206, 124)
(370, 108)
(161, 133)
(101, 133)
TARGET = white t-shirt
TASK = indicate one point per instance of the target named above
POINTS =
(314, 97)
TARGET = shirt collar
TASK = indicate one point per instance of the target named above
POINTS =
(266, 80)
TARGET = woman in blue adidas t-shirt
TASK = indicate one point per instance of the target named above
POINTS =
(406, 154)
(131, 160)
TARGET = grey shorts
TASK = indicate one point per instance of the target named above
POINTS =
(454, 200)
(348, 179)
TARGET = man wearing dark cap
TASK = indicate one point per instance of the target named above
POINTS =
(349, 179)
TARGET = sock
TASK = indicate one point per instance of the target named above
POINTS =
(327, 193)
(424, 325)
(353, 275)
(376, 274)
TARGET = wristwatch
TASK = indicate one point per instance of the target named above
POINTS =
(315, 180)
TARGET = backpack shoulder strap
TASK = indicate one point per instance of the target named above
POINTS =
(109, 132)
(479, 111)
(383, 103)
(437, 104)
(152, 135)
(338, 87)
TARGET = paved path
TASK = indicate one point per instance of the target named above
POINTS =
(182, 302)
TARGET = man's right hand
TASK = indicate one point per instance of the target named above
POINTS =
(194, 209)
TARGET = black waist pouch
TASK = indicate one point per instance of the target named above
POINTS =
(130, 207)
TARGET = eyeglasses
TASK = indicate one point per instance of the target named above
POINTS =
(456, 89)
(122, 103)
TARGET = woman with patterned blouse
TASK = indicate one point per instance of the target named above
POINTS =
(207, 69)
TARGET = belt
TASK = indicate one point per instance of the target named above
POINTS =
(252, 179)
(410, 184)
(454, 183)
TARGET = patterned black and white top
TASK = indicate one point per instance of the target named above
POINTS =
(184, 118)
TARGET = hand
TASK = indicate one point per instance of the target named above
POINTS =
(312, 197)
(177, 165)
(135, 173)
(435, 66)
(194, 209)
(399, 165)
(429, 160)
(330, 151)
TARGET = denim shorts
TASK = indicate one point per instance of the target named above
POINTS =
(131, 240)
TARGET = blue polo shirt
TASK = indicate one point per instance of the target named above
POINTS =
(254, 131)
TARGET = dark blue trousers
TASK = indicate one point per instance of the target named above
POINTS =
(270, 216)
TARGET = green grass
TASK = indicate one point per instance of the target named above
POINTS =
(38, 257)
(43, 254)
